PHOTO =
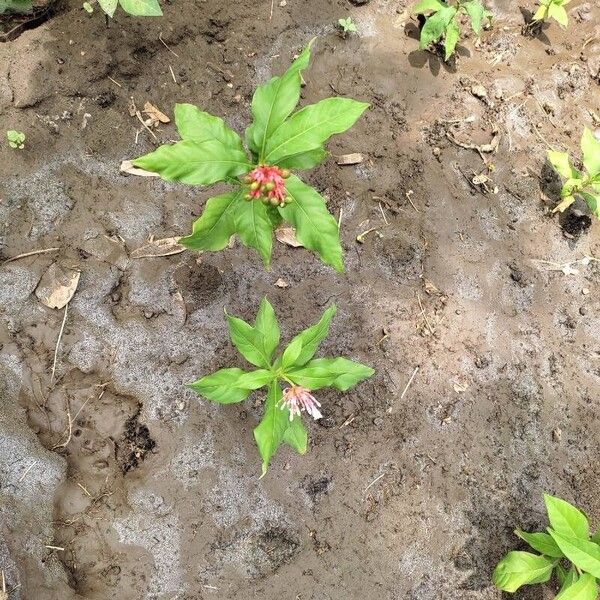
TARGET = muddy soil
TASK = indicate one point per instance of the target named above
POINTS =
(117, 482)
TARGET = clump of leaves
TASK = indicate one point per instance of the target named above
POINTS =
(443, 21)
(295, 366)
(585, 183)
(347, 26)
(265, 193)
(137, 8)
(552, 8)
(15, 6)
(566, 550)
(16, 139)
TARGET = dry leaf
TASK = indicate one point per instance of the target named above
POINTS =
(430, 288)
(350, 159)
(127, 167)
(281, 283)
(155, 248)
(287, 235)
(156, 116)
(57, 286)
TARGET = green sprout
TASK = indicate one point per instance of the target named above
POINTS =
(347, 26)
(443, 21)
(567, 550)
(585, 183)
(16, 139)
(554, 9)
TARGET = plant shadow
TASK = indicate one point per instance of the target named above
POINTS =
(534, 29)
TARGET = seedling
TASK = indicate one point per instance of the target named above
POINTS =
(16, 139)
(347, 26)
(443, 21)
(552, 8)
(567, 550)
(585, 183)
(265, 192)
(296, 367)
(137, 8)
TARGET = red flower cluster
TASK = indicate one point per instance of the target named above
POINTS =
(267, 184)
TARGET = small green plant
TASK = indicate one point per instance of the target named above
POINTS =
(577, 183)
(347, 26)
(554, 9)
(566, 550)
(443, 21)
(265, 191)
(15, 6)
(16, 139)
(281, 421)
(137, 8)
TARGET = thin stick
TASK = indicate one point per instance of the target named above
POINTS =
(409, 382)
(60, 333)
(383, 214)
(408, 195)
(32, 253)
(139, 116)
(431, 330)
(165, 45)
(340, 218)
(172, 74)
(374, 481)
(115, 82)
(27, 471)
(55, 548)
(271, 15)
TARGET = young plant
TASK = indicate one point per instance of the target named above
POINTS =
(296, 367)
(347, 26)
(137, 8)
(586, 183)
(265, 192)
(554, 9)
(567, 550)
(443, 21)
(16, 139)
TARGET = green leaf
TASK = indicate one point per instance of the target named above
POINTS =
(108, 6)
(540, 14)
(269, 433)
(427, 6)
(585, 588)
(304, 160)
(475, 10)
(559, 14)
(451, 38)
(316, 229)
(565, 518)
(339, 373)
(582, 553)
(222, 387)
(561, 574)
(590, 147)
(295, 436)
(249, 342)
(255, 229)
(521, 568)
(255, 379)
(15, 6)
(195, 164)
(216, 225)
(436, 25)
(141, 8)
(310, 127)
(542, 542)
(291, 353)
(274, 101)
(313, 336)
(593, 202)
(199, 126)
(266, 323)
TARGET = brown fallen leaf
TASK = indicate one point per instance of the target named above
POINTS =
(156, 116)
(57, 286)
(127, 167)
(287, 235)
(156, 248)
(281, 283)
(350, 159)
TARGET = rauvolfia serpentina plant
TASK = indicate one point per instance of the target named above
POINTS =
(265, 191)
(295, 368)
